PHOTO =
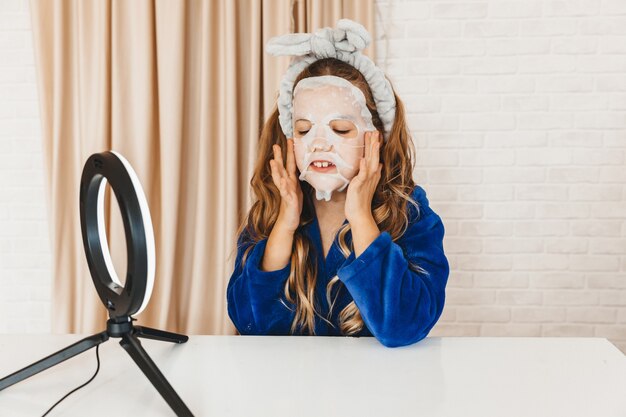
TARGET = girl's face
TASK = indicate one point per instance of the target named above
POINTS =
(330, 119)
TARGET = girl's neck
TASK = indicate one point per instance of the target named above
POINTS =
(333, 208)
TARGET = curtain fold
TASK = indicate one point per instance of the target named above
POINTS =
(181, 89)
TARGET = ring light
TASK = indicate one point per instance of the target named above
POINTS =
(132, 297)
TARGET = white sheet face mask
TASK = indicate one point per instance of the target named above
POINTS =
(330, 119)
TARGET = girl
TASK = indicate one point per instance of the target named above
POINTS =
(340, 241)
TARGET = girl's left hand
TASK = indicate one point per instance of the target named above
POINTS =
(361, 189)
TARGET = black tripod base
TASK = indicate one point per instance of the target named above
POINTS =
(130, 342)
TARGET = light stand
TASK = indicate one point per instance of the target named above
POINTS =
(121, 301)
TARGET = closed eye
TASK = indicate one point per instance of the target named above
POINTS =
(341, 132)
(303, 132)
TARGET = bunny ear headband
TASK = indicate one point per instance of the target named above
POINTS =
(344, 43)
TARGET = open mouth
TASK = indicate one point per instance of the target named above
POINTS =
(323, 166)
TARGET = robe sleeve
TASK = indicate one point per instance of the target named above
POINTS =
(254, 296)
(398, 305)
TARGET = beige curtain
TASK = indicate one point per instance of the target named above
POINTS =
(181, 89)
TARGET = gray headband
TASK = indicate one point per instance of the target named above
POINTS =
(343, 43)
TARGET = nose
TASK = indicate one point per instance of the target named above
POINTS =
(320, 144)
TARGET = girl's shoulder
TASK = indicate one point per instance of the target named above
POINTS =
(421, 207)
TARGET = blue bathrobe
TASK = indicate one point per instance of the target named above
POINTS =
(398, 306)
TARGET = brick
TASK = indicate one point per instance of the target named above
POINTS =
(610, 83)
(541, 192)
(548, 27)
(587, 139)
(483, 314)
(543, 157)
(602, 25)
(517, 245)
(564, 83)
(437, 158)
(566, 245)
(567, 330)
(463, 245)
(562, 211)
(557, 280)
(460, 280)
(598, 157)
(454, 176)
(612, 174)
(611, 331)
(469, 297)
(612, 298)
(519, 103)
(595, 192)
(455, 140)
(489, 65)
(514, 210)
(574, 45)
(510, 330)
(455, 330)
(430, 122)
(579, 102)
(570, 298)
(484, 262)
(483, 29)
(517, 46)
(514, 175)
(434, 66)
(571, 8)
(591, 315)
(604, 246)
(435, 29)
(546, 64)
(543, 228)
(594, 263)
(470, 103)
(519, 297)
(591, 64)
(506, 84)
(461, 47)
(542, 121)
(574, 175)
(487, 121)
(486, 157)
(613, 7)
(486, 228)
(460, 211)
(538, 314)
(452, 85)
(497, 279)
(447, 315)
(608, 210)
(605, 281)
(514, 9)
(595, 228)
(540, 262)
(486, 193)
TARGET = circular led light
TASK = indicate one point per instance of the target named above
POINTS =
(132, 297)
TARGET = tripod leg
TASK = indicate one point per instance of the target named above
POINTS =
(163, 336)
(132, 345)
(54, 359)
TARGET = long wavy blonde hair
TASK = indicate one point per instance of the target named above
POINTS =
(389, 205)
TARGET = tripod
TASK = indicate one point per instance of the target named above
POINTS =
(122, 301)
(124, 329)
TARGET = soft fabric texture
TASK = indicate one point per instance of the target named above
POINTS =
(399, 306)
(344, 43)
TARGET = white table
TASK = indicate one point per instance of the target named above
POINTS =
(327, 376)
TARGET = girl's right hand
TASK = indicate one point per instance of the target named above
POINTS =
(287, 182)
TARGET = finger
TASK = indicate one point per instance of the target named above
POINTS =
(276, 177)
(291, 159)
(375, 156)
(278, 157)
(367, 144)
(362, 175)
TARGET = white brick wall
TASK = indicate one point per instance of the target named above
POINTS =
(25, 277)
(518, 110)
